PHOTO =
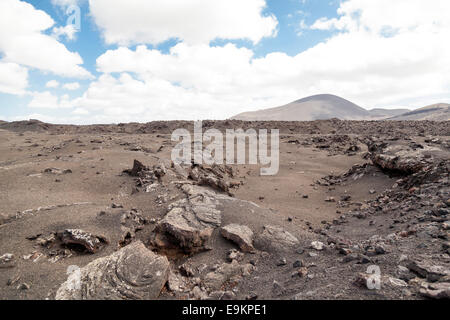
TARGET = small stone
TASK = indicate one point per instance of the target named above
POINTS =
(222, 295)
(251, 296)
(446, 225)
(364, 259)
(24, 286)
(317, 245)
(186, 270)
(12, 281)
(174, 282)
(234, 254)
(7, 261)
(403, 257)
(402, 269)
(350, 257)
(198, 294)
(345, 251)
(380, 249)
(364, 280)
(281, 262)
(397, 282)
(302, 272)
(277, 288)
(298, 264)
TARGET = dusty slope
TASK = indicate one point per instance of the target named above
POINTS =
(435, 112)
(317, 107)
(382, 114)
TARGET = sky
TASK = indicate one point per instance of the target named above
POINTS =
(115, 61)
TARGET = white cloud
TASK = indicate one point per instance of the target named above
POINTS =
(44, 100)
(52, 84)
(65, 3)
(72, 86)
(47, 100)
(69, 32)
(22, 41)
(383, 16)
(392, 61)
(13, 78)
(195, 21)
(80, 111)
(199, 81)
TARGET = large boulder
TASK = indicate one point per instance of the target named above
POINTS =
(275, 239)
(190, 222)
(426, 269)
(132, 273)
(436, 291)
(239, 234)
(400, 157)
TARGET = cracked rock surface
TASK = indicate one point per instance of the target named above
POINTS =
(133, 272)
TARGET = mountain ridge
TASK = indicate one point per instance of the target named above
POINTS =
(329, 106)
(317, 107)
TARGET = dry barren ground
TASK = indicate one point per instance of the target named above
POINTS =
(349, 195)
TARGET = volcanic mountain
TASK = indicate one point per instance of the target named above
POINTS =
(318, 107)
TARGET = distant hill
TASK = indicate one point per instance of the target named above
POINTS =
(435, 112)
(318, 107)
(22, 126)
(379, 114)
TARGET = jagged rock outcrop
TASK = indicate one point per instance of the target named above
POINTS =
(146, 176)
(436, 290)
(400, 157)
(225, 272)
(92, 243)
(7, 260)
(428, 270)
(132, 273)
(138, 167)
(213, 176)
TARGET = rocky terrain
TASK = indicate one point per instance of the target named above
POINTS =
(358, 210)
